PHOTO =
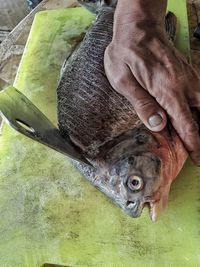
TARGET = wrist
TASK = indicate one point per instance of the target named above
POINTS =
(134, 19)
(140, 10)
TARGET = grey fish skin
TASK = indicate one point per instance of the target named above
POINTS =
(133, 166)
(89, 109)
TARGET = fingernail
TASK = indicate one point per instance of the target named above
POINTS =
(155, 120)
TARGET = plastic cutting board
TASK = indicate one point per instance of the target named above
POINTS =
(49, 212)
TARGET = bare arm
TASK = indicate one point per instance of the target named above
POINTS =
(142, 65)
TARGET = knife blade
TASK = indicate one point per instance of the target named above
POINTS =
(22, 115)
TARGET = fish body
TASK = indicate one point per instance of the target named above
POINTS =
(132, 165)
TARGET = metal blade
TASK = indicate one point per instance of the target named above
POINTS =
(20, 113)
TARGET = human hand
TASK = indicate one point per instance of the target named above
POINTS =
(142, 65)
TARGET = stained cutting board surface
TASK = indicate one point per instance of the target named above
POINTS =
(49, 212)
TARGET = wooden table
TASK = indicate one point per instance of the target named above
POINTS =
(11, 13)
(11, 49)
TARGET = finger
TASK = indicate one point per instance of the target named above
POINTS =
(194, 99)
(186, 127)
(147, 109)
(192, 86)
(196, 116)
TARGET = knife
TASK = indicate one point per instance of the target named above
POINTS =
(22, 115)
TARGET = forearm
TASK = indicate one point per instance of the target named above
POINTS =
(137, 10)
(138, 17)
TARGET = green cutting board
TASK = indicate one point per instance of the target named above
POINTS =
(49, 212)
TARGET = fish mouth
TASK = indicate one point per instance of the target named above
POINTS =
(135, 208)
(156, 207)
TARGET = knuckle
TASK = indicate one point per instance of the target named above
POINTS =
(165, 97)
(192, 127)
(119, 83)
(189, 132)
(195, 156)
(160, 98)
(173, 102)
(109, 48)
(110, 51)
(142, 103)
(122, 80)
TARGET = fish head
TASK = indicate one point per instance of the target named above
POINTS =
(140, 168)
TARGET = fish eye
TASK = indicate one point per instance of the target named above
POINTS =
(135, 183)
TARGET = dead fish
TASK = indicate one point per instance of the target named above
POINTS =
(132, 165)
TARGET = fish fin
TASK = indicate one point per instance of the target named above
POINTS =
(68, 60)
(157, 207)
(95, 5)
(171, 25)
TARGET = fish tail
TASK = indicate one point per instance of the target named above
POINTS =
(95, 5)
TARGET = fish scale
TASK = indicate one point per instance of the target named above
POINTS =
(86, 101)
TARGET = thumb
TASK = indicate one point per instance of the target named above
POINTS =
(147, 109)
